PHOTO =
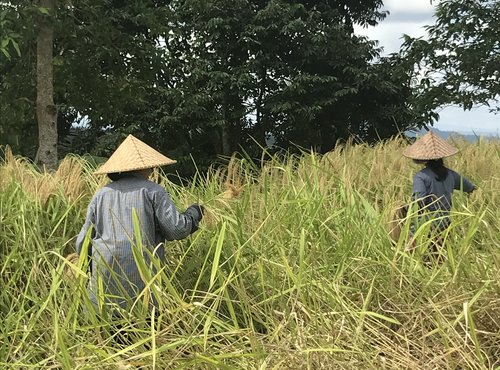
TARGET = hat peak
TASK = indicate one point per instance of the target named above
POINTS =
(430, 146)
(133, 154)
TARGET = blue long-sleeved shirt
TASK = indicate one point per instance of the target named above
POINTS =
(436, 196)
(109, 214)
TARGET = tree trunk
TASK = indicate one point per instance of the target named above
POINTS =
(46, 111)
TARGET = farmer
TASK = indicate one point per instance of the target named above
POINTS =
(434, 184)
(115, 276)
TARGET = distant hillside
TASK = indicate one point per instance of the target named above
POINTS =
(447, 134)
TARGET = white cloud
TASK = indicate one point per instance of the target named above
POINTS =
(390, 34)
(413, 6)
(406, 17)
(477, 120)
(410, 17)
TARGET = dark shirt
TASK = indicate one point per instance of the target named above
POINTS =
(435, 196)
(112, 237)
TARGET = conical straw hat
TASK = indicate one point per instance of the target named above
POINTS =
(133, 155)
(428, 147)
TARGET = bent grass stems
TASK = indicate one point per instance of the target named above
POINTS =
(293, 268)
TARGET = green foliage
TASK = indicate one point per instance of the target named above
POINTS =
(294, 271)
(458, 63)
(17, 83)
(204, 78)
(8, 38)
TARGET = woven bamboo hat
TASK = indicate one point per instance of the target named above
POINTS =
(428, 147)
(131, 155)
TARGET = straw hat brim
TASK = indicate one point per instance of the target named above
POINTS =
(133, 155)
(429, 147)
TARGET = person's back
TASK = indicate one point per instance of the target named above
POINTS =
(433, 185)
(129, 206)
(437, 193)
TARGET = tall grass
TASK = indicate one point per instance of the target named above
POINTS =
(292, 268)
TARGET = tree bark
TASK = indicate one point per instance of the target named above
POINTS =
(46, 111)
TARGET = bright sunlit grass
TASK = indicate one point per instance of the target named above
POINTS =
(293, 268)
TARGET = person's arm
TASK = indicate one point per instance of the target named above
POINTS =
(173, 224)
(89, 222)
(462, 183)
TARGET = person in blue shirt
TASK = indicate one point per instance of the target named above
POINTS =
(109, 224)
(433, 186)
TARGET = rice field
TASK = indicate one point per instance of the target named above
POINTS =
(293, 267)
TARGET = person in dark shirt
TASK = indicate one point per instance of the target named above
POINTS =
(433, 186)
(130, 198)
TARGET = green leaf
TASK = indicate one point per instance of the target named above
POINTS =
(43, 10)
(5, 52)
(16, 46)
(217, 253)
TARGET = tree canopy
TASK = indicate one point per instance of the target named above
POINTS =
(205, 78)
(459, 61)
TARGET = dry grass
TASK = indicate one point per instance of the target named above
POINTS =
(301, 262)
(72, 177)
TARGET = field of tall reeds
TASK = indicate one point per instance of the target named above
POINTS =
(293, 268)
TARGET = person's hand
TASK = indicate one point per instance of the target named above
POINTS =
(196, 211)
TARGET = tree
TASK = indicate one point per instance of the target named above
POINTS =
(293, 70)
(9, 49)
(8, 38)
(106, 62)
(459, 62)
(20, 85)
(46, 111)
(205, 78)
(318, 82)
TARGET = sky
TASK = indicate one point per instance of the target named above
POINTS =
(410, 17)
